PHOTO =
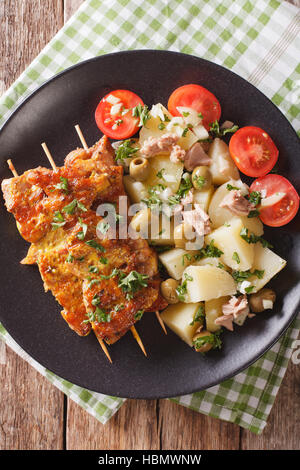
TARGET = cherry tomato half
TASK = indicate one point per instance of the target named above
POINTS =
(198, 98)
(285, 198)
(253, 151)
(120, 124)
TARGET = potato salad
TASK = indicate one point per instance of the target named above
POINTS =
(182, 173)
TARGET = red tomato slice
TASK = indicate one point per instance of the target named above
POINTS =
(118, 126)
(253, 151)
(283, 211)
(198, 98)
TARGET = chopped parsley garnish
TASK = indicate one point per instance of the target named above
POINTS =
(96, 245)
(81, 206)
(81, 235)
(229, 187)
(58, 220)
(118, 307)
(185, 131)
(199, 180)
(63, 185)
(92, 282)
(236, 257)
(139, 315)
(103, 227)
(69, 258)
(240, 276)
(103, 260)
(133, 282)
(259, 273)
(185, 185)
(94, 269)
(99, 315)
(160, 173)
(70, 208)
(161, 126)
(188, 256)
(182, 290)
(244, 233)
(141, 112)
(254, 197)
(154, 200)
(125, 150)
(130, 283)
(185, 114)
(118, 217)
(199, 316)
(213, 339)
(96, 300)
(249, 289)
(216, 131)
(209, 251)
(115, 272)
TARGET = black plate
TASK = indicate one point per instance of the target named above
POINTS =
(33, 317)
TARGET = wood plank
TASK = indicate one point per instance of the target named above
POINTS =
(31, 408)
(27, 26)
(70, 6)
(133, 427)
(283, 428)
(31, 414)
(184, 429)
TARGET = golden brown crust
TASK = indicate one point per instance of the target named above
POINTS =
(66, 262)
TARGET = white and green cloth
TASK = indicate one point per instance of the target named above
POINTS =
(259, 40)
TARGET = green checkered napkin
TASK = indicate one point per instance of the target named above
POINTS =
(260, 41)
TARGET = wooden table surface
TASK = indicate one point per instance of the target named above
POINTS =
(33, 413)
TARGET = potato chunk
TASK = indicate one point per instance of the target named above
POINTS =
(179, 317)
(237, 253)
(213, 310)
(163, 171)
(203, 197)
(163, 234)
(206, 283)
(219, 215)
(152, 130)
(175, 261)
(223, 167)
(265, 260)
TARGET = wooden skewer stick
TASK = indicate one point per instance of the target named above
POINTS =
(81, 137)
(104, 349)
(12, 168)
(49, 156)
(161, 321)
(138, 339)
